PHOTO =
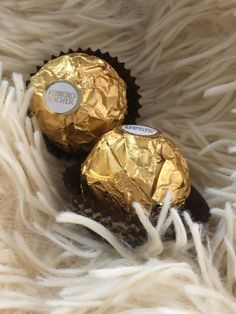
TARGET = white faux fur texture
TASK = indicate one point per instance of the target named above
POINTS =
(183, 53)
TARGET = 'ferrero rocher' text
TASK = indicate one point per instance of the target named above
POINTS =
(61, 97)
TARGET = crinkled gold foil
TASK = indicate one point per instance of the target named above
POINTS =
(102, 108)
(137, 168)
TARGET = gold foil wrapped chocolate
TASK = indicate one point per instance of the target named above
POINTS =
(133, 163)
(78, 97)
(136, 163)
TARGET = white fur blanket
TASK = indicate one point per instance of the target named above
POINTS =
(183, 53)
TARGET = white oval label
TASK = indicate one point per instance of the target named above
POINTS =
(139, 130)
(62, 97)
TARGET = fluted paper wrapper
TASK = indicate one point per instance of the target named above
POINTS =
(127, 228)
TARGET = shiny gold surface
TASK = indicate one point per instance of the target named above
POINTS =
(103, 104)
(137, 168)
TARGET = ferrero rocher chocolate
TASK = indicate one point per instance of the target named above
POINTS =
(132, 163)
(78, 97)
(136, 163)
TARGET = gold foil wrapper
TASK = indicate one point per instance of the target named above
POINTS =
(101, 106)
(137, 167)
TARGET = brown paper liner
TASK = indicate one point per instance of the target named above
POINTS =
(195, 205)
(127, 228)
(132, 95)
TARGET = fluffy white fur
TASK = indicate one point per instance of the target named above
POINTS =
(183, 55)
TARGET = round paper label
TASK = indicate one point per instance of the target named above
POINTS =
(62, 97)
(139, 130)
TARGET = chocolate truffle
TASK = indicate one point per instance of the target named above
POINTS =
(130, 163)
(78, 97)
(136, 163)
